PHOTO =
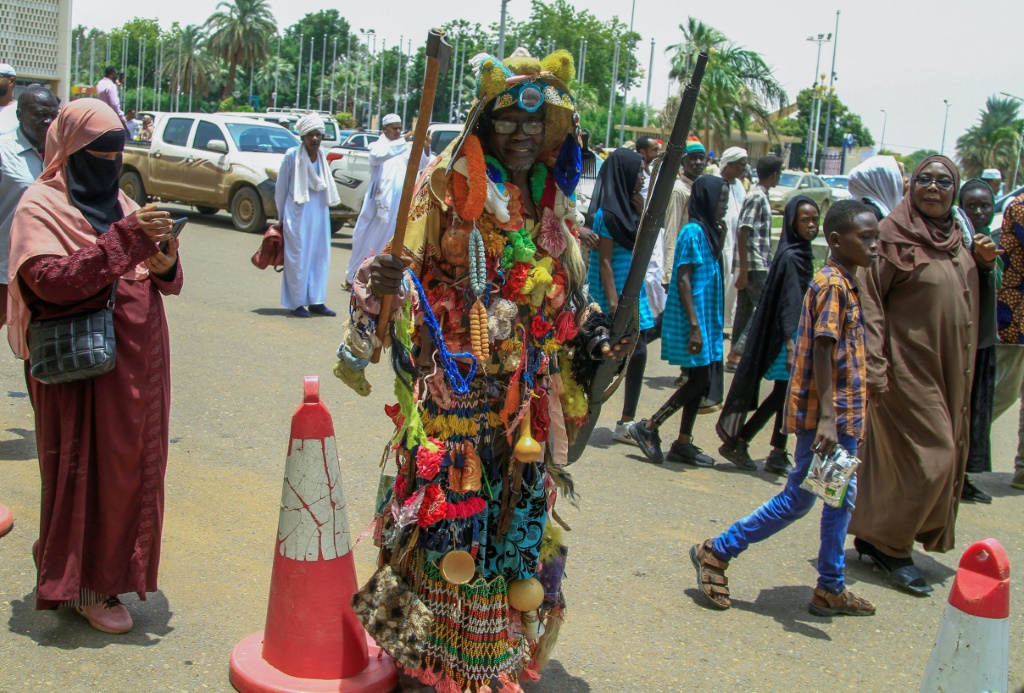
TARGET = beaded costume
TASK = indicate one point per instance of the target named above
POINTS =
(492, 317)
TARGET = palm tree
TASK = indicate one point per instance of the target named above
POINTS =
(275, 72)
(187, 64)
(993, 142)
(739, 87)
(239, 32)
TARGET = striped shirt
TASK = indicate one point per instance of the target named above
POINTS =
(692, 250)
(756, 215)
(621, 260)
(831, 309)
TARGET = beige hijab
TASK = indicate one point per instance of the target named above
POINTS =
(46, 222)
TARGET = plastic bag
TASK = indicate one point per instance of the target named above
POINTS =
(829, 478)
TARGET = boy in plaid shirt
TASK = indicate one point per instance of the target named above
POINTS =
(825, 407)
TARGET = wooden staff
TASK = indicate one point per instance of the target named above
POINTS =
(438, 55)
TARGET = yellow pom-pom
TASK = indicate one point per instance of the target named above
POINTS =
(561, 65)
(492, 81)
(523, 65)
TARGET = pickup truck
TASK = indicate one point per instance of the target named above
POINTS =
(212, 162)
(350, 162)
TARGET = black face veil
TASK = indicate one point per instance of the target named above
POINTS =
(93, 181)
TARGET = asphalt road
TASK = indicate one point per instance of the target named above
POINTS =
(633, 622)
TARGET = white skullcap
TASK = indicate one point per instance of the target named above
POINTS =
(991, 174)
(732, 155)
(7, 71)
(309, 123)
(390, 119)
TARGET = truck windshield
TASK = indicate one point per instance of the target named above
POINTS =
(261, 138)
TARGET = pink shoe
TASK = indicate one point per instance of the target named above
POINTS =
(108, 617)
(6, 520)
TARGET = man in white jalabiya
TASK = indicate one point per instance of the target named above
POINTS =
(733, 164)
(305, 190)
(389, 156)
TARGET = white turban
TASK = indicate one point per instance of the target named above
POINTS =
(309, 123)
(731, 155)
(390, 119)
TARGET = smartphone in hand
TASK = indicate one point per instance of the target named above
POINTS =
(179, 224)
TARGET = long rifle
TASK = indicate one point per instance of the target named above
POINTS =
(439, 53)
(625, 321)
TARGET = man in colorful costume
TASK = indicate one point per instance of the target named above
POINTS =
(493, 343)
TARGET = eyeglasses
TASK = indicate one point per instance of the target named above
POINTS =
(529, 127)
(940, 183)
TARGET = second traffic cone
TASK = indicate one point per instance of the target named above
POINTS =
(313, 641)
(972, 649)
(6, 520)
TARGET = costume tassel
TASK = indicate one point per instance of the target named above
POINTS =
(569, 165)
(547, 642)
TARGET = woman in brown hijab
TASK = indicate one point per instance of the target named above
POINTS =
(921, 316)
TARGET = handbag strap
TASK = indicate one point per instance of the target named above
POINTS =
(113, 294)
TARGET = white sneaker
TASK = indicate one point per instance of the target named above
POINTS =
(621, 433)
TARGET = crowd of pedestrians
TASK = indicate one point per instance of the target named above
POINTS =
(895, 349)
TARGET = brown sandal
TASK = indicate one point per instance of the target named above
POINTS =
(711, 579)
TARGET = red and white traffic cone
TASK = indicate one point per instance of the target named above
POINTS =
(6, 520)
(972, 649)
(313, 641)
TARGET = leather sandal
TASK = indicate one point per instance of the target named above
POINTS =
(711, 579)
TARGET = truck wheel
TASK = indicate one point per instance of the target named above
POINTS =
(247, 211)
(131, 186)
(206, 210)
(336, 226)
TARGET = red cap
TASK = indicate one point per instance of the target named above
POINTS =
(982, 583)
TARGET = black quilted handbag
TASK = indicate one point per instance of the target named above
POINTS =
(77, 347)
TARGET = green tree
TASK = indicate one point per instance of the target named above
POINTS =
(993, 141)
(239, 32)
(323, 31)
(844, 121)
(189, 68)
(739, 87)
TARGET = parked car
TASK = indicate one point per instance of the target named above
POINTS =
(840, 187)
(289, 117)
(793, 183)
(360, 139)
(212, 162)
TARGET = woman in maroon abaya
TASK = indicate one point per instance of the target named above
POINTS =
(102, 442)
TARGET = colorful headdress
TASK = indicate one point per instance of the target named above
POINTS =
(694, 145)
(530, 83)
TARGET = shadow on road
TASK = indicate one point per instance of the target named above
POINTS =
(787, 605)
(65, 630)
(997, 484)
(19, 450)
(280, 312)
(556, 678)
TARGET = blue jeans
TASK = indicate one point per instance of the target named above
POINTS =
(792, 504)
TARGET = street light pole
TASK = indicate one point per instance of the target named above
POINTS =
(611, 96)
(405, 100)
(831, 92)
(298, 73)
(625, 86)
(650, 78)
(399, 59)
(945, 122)
(812, 130)
(323, 70)
(885, 121)
(334, 71)
(501, 30)
(277, 69)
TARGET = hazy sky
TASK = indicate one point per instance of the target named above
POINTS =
(905, 56)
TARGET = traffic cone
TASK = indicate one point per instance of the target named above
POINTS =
(313, 641)
(972, 649)
(6, 520)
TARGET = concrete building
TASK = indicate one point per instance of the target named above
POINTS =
(35, 37)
